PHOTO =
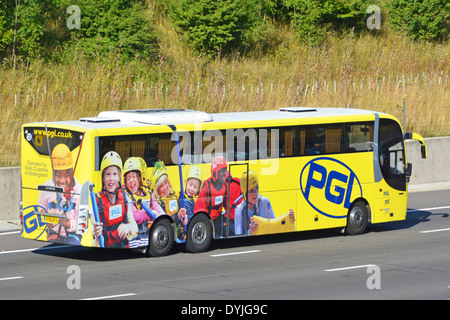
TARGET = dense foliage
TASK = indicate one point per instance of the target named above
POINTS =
(420, 19)
(314, 19)
(118, 28)
(217, 26)
(121, 28)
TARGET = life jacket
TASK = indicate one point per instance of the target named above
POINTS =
(213, 200)
(169, 204)
(112, 215)
(146, 198)
(143, 227)
(226, 197)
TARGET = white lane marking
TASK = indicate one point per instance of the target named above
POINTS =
(6, 233)
(35, 249)
(111, 297)
(234, 253)
(216, 255)
(436, 230)
(428, 209)
(11, 278)
(348, 268)
(16, 251)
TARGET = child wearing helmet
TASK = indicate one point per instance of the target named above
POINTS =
(163, 192)
(213, 195)
(117, 224)
(67, 203)
(193, 183)
(134, 178)
(254, 205)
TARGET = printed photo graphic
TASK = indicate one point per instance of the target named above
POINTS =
(130, 193)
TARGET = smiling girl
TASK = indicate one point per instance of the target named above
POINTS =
(165, 195)
(134, 177)
(117, 223)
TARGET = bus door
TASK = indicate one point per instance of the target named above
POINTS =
(234, 196)
(392, 171)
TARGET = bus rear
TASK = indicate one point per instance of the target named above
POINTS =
(55, 172)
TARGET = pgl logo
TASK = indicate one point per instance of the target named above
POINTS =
(329, 186)
(33, 221)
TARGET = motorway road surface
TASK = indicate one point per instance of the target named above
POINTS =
(401, 260)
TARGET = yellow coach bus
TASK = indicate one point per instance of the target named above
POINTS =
(149, 178)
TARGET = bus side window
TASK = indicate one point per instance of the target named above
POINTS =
(125, 146)
(165, 146)
(359, 137)
(333, 140)
(314, 140)
(301, 138)
(288, 136)
(153, 154)
(130, 148)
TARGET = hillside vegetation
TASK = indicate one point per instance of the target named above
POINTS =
(223, 55)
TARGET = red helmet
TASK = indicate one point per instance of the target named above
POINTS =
(217, 164)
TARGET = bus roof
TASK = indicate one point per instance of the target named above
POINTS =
(287, 113)
(146, 117)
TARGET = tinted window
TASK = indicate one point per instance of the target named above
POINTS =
(358, 137)
(149, 147)
(240, 144)
(392, 154)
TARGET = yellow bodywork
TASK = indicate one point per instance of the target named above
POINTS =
(318, 188)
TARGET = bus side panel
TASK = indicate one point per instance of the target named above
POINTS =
(329, 185)
(277, 196)
(389, 204)
(43, 179)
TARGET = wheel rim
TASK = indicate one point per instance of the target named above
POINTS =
(199, 233)
(160, 237)
(356, 217)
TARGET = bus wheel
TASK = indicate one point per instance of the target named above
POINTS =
(357, 218)
(199, 234)
(160, 239)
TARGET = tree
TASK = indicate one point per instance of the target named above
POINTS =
(21, 28)
(314, 19)
(420, 19)
(33, 28)
(218, 26)
(113, 27)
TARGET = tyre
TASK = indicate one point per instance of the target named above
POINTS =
(200, 233)
(160, 239)
(357, 218)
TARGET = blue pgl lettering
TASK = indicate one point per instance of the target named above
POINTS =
(32, 221)
(326, 181)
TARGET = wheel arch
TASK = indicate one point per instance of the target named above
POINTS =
(357, 217)
(207, 216)
(200, 233)
(369, 211)
(172, 223)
